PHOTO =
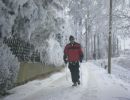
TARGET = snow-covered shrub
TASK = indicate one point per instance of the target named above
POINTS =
(9, 67)
(55, 53)
(43, 52)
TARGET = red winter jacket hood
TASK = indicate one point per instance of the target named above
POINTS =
(73, 52)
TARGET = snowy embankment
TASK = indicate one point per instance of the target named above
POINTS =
(96, 85)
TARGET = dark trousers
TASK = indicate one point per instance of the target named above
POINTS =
(74, 69)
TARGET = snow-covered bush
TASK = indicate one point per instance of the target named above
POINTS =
(55, 53)
(9, 67)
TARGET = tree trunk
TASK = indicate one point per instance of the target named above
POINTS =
(98, 46)
(94, 54)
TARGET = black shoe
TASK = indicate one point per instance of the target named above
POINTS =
(74, 84)
(78, 82)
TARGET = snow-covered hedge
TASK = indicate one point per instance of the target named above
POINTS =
(9, 67)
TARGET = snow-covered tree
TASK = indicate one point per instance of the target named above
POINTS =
(9, 67)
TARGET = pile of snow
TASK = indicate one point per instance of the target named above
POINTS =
(9, 67)
(119, 67)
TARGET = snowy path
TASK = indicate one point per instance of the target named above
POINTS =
(96, 85)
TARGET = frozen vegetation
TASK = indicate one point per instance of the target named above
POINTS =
(9, 67)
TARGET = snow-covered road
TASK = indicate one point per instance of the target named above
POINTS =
(96, 85)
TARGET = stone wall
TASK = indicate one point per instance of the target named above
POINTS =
(29, 71)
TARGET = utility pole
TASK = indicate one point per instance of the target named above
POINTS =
(110, 35)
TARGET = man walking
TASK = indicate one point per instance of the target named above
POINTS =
(73, 55)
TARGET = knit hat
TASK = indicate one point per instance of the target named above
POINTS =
(71, 37)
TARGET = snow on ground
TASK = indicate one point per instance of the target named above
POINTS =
(121, 68)
(96, 84)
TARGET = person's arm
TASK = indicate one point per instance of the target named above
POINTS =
(81, 54)
(65, 54)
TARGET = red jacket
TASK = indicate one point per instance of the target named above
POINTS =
(73, 52)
